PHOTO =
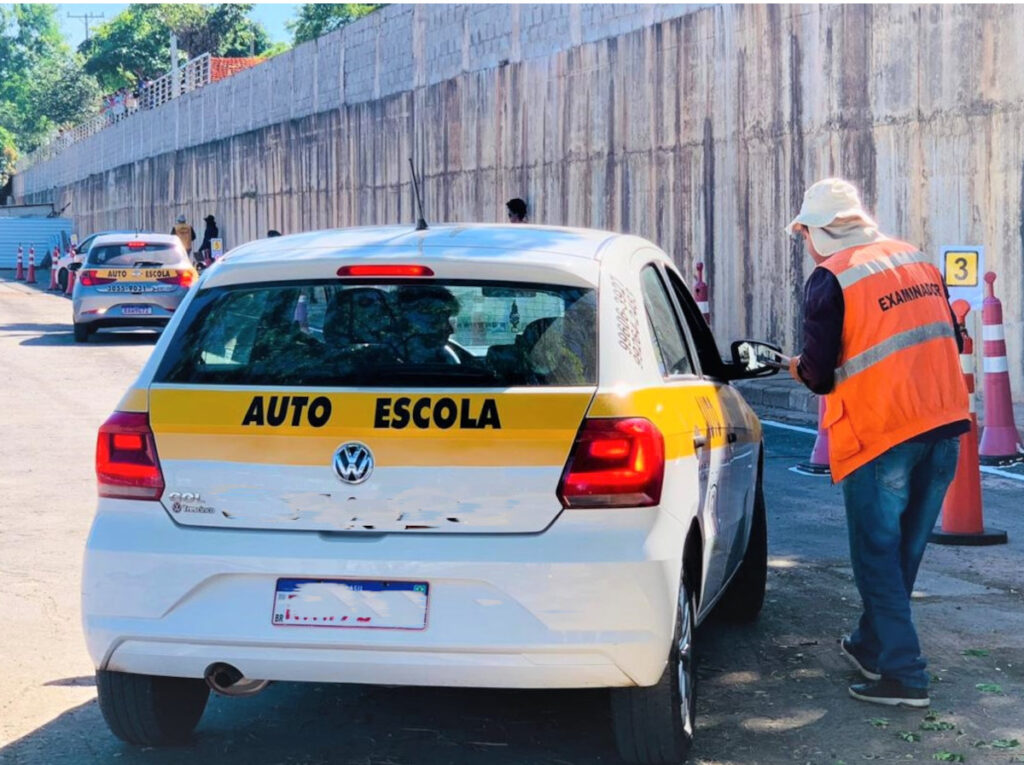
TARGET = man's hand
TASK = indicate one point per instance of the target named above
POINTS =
(794, 362)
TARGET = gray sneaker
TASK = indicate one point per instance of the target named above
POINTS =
(860, 663)
(890, 693)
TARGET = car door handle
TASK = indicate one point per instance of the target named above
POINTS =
(731, 436)
(699, 442)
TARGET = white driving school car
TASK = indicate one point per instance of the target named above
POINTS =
(492, 456)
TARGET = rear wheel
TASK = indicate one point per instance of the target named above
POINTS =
(654, 725)
(744, 597)
(150, 710)
(82, 332)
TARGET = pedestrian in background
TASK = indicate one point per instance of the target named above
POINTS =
(881, 343)
(210, 232)
(185, 233)
(516, 210)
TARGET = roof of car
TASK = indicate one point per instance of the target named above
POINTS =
(574, 242)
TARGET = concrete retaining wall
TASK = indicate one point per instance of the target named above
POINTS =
(696, 127)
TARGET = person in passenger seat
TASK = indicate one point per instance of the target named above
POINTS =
(427, 311)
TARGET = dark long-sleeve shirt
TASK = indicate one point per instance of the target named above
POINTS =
(824, 312)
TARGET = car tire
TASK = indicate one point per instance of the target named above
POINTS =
(148, 710)
(62, 279)
(654, 725)
(743, 598)
(82, 332)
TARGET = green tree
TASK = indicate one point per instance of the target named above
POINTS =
(42, 86)
(316, 19)
(135, 44)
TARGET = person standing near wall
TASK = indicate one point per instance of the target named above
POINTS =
(516, 210)
(881, 343)
(210, 232)
(185, 233)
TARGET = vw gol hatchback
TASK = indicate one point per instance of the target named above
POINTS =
(490, 456)
(130, 280)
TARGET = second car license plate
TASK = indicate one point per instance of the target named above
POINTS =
(350, 603)
(137, 310)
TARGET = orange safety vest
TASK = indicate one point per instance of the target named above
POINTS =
(184, 233)
(898, 373)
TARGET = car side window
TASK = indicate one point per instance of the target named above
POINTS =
(666, 332)
(703, 340)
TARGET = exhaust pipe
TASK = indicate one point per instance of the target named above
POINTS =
(229, 681)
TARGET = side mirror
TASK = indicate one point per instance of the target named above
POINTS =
(754, 358)
(74, 266)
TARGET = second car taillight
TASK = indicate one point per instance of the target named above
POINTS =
(89, 279)
(127, 465)
(614, 463)
(181, 278)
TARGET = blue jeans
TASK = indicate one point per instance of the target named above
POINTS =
(892, 503)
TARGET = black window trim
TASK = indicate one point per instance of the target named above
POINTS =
(689, 312)
(692, 357)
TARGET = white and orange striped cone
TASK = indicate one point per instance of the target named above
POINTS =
(1000, 441)
(962, 516)
(301, 315)
(700, 294)
(20, 273)
(818, 462)
(31, 278)
(71, 274)
(54, 285)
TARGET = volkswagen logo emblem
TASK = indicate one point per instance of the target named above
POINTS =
(353, 462)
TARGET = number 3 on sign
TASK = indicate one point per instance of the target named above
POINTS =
(961, 268)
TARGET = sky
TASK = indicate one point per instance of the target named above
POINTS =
(272, 15)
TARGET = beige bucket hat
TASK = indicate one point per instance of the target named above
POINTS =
(828, 201)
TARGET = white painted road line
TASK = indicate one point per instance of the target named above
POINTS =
(784, 426)
(811, 431)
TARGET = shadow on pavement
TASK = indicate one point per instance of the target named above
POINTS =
(302, 723)
(61, 334)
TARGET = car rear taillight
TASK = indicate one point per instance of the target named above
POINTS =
(136, 245)
(89, 279)
(385, 270)
(127, 465)
(180, 278)
(614, 463)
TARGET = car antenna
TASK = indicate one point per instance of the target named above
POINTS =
(421, 223)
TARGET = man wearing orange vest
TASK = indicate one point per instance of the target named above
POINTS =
(881, 343)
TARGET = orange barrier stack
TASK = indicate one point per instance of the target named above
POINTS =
(54, 285)
(1000, 441)
(962, 521)
(700, 294)
(818, 462)
(20, 273)
(31, 278)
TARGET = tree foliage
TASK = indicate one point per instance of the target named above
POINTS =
(42, 86)
(135, 44)
(316, 19)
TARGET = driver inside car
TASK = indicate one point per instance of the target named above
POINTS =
(427, 311)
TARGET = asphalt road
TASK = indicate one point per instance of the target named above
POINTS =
(771, 692)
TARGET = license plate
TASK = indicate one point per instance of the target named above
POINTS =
(350, 603)
(137, 310)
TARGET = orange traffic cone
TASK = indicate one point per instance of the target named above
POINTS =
(1000, 441)
(20, 273)
(71, 274)
(53, 270)
(818, 463)
(962, 522)
(31, 278)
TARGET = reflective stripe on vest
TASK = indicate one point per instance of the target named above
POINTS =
(854, 274)
(891, 345)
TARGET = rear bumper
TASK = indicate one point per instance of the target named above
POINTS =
(109, 310)
(588, 603)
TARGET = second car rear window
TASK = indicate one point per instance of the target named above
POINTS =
(150, 254)
(432, 334)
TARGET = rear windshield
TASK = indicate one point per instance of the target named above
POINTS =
(148, 255)
(434, 334)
